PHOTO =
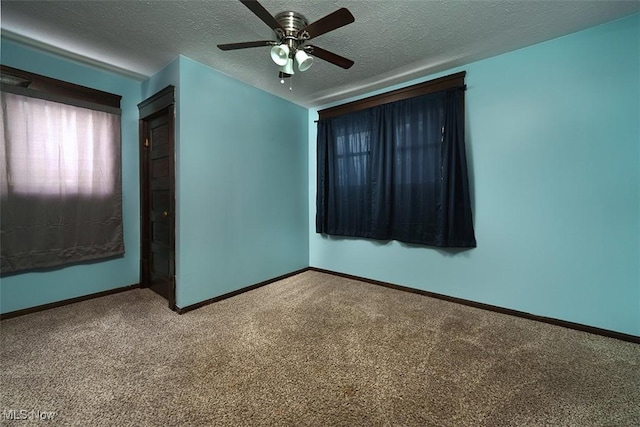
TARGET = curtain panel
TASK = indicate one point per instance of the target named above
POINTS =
(397, 171)
(60, 182)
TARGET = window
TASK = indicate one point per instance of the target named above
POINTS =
(58, 148)
(353, 151)
(397, 170)
(59, 173)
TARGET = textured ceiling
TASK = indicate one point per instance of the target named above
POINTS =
(390, 41)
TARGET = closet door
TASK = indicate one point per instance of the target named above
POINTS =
(157, 195)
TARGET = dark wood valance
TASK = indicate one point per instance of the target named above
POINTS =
(37, 82)
(442, 83)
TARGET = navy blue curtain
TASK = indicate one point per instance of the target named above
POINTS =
(397, 171)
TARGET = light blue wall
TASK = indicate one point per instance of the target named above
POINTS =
(242, 188)
(168, 75)
(553, 136)
(33, 289)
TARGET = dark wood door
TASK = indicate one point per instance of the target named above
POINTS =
(157, 176)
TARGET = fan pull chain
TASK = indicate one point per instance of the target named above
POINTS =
(290, 82)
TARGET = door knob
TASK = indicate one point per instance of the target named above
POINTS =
(165, 214)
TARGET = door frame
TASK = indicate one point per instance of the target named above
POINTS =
(162, 100)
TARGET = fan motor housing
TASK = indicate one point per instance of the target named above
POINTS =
(292, 22)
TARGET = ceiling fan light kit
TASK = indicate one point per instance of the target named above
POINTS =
(303, 60)
(292, 31)
(288, 68)
(280, 54)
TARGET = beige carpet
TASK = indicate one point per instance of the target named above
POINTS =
(310, 350)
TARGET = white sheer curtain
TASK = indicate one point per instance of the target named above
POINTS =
(58, 149)
(60, 183)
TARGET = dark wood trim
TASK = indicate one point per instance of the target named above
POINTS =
(436, 85)
(239, 291)
(61, 88)
(56, 304)
(145, 230)
(156, 102)
(172, 291)
(522, 314)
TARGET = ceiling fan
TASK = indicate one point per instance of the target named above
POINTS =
(292, 31)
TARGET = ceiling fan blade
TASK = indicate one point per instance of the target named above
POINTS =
(263, 14)
(335, 59)
(244, 45)
(337, 19)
